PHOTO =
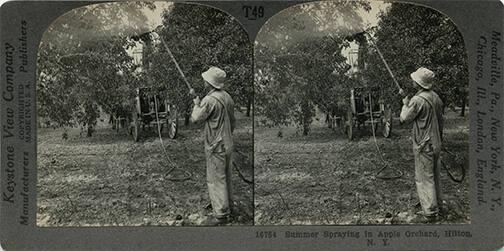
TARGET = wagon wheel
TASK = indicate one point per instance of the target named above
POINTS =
(341, 124)
(117, 124)
(135, 127)
(387, 122)
(349, 123)
(331, 121)
(128, 122)
(172, 123)
(339, 121)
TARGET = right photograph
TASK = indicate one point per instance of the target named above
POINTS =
(361, 116)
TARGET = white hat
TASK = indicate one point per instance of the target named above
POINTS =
(424, 77)
(214, 76)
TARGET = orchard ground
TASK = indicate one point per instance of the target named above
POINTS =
(108, 179)
(322, 178)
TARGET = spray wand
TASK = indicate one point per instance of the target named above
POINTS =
(371, 39)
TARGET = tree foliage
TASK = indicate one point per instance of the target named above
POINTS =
(83, 66)
(310, 74)
(200, 37)
(411, 36)
(296, 73)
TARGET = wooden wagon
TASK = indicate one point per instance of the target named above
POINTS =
(144, 115)
(366, 109)
(366, 106)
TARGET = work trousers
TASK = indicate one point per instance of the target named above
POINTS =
(219, 182)
(427, 165)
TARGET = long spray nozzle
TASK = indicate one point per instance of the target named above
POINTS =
(165, 45)
(371, 39)
(355, 36)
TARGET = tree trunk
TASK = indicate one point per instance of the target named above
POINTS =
(186, 119)
(249, 107)
(306, 116)
(306, 124)
(187, 114)
(306, 130)
(462, 111)
(112, 120)
(89, 131)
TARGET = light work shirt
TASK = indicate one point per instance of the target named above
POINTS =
(425, 110)
(216, 110)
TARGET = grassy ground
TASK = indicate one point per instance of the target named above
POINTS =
(322, 178)
(108, 179)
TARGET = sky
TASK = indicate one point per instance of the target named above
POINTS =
(317, 19)
(332, 17)
(370, 19)
(293, 23)
(155, 17)
(103, 21)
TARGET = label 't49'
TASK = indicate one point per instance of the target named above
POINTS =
(253, 12)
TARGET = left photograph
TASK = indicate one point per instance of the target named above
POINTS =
(145, 117)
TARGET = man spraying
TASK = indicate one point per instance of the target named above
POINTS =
(425, 110)
(216, 110)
